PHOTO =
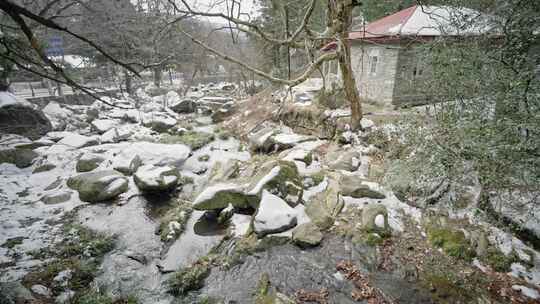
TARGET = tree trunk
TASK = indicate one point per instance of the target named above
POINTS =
(349, 85)
(129, 88)
(340, 21)
(158, 71)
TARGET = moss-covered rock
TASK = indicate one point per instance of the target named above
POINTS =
(219, 196)
(370, 215)
(499, 261)
(195, 140)
(280, 178)
(22, 158)
(188, 279)
(453, 242)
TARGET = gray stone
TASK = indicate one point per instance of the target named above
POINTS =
(98, 186)
(184, 106)
(223, 171)
(273, 216)
(150, 178)
(103, 125)
(307, 235)
(260, 140)
(56, 198)
(44, 168)
(127, 165)
(369, 218)
(41, 290)
(88, 162)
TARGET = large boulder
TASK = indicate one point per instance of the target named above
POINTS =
(219, 197)
(88, 162)
(307, 235)
(274, 215)
(22, 158)
(150, 178)
(279, 178)
(98, 186)
(20, 117)
(184, 106)
(325, 206)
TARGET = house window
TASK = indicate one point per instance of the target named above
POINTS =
(373, 61)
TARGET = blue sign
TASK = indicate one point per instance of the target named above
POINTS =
(55, 47)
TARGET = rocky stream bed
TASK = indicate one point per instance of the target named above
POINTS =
(154, 201)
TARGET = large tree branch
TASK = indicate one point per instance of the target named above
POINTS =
(293, 82)
(255, 29)
(14, 11)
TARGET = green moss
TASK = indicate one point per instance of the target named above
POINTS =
(263, 293)
(188, 279)
(308, 159)
(204, 158)
(317, 178)
(12, 242)
(94, 297)
(374, 239)
(452, 242)
(500, 262)
(81, 251)
(193, 139)
(181, 215)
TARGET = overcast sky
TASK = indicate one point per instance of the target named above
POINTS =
(247, 7)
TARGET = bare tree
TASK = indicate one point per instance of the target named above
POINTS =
(338, 24)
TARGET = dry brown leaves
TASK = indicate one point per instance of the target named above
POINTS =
(363, 289)
(387, 250)
(320, 297)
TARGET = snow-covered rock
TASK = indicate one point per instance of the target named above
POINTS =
(258, 141)
(78, 141)
(159, 122)
(57, 115)
(526, 291)
(219, 196)
(273, 216)
(154, 154)
(7, 98)
(115, 135)
(104, 125)
(366, 124)
(280, 178)
(150, 178)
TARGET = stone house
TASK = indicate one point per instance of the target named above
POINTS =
(388, 57)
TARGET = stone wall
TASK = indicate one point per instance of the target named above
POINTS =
(377, 86)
